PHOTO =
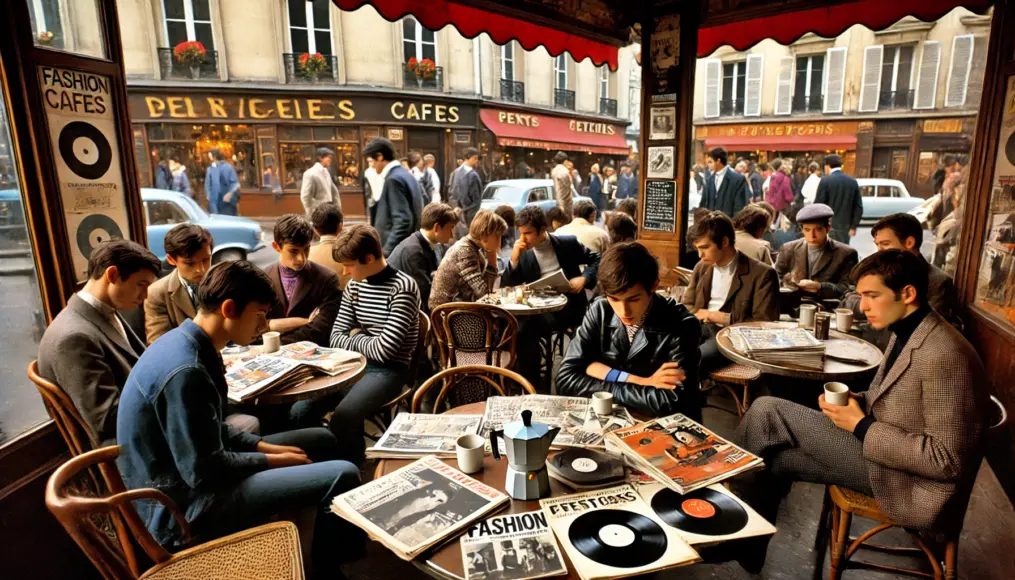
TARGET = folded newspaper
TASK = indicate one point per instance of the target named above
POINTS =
(418, 506)
(511, 547)
(251, 375)
(412, 435)
(554, 281)
(579, 424)
(680, 453)
(795, 346)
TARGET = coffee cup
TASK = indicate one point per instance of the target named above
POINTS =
(470, 450)
(837, 394)
(843, 319)
(272, 341)
(602, 403)
(807, 312)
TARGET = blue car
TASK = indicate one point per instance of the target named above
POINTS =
(519, 193)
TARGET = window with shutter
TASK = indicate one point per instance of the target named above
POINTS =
(976, 71)
(926, 86)
(870, 86)
(713, 72)
(958, 73)
(835, 79)
(755, 70)
(784, 87)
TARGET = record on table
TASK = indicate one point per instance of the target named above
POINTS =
(618, 538)
(586, 467)
(704, 511)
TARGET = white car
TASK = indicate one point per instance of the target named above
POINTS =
(883, 197)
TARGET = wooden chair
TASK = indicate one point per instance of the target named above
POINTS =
(268, 552)
(841, 504)
(459, 386)
(731, 378)
(469, 333)
(75, 432)
(386, 414)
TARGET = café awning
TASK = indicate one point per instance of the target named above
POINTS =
(546, 132)
(792, 143)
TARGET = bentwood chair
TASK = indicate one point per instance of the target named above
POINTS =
(469, 333)
(841, 504)
(470, 384)
(75, 432)
(733, 377)
(387, 413)
(268, 552)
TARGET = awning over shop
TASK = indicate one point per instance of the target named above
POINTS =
(796, 143)
(515, 129)
(471, 21)
(828, 21)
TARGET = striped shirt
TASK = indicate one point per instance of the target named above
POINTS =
(385, 307)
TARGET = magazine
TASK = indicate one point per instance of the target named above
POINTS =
(795, 346)
(414, 434)
(681, 453)
(554, 281)
(418, 506)
(579, 424)
(705, 516)
(252, 373)
(510, 547)
(613, 533)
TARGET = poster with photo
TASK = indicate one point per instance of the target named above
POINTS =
(663, 123)
(660, 163)
(664, 45)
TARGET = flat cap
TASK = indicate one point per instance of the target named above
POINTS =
(815, 212)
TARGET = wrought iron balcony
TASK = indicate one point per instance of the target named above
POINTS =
(563, 99)
(896, 99)
(172, 69)
(293, 73)
(731, 108)
(433, 83)
(808, 104)
(608, 107)
(512, 91)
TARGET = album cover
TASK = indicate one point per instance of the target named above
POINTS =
(613, 533)
(412, 435)
(707, 515)
(510, 547)
(681, 453)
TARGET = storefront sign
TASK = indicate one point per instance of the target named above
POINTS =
(942, 126)
(660, 206)
(827, 129)
(274, 107)
(82, 133)
(514, 129)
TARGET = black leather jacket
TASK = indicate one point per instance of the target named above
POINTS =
(670, 334)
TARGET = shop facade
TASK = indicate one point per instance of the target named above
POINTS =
(803, 142)
(270, 137)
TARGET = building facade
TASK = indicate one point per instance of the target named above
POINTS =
(891, 102)
(252, 97)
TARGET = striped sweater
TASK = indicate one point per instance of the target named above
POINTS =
(385, 307)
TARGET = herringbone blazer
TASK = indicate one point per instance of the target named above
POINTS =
(925, 447)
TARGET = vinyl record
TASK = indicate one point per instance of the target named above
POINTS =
(1009, 149)
(95, 229)
(587, 466)
(618, 538)
(85, 150)
(704, 511)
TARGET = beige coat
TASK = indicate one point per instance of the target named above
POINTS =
(563, 188)
(167, 306)
(318, 188)
(753, 247)
(590, 236)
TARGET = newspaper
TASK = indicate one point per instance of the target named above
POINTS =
(579, 425)
(417, 506)
(511, 547)
(414, 434)
(333, 361)
(681, 453)
(554, 280)
(251, 378)
(766, 339)
(252, 373)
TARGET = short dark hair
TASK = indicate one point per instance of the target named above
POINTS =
(175, 158)
(902, 225)
(437, 214)
(715, 226)
(532, 216)
(323, 152)
(555, 214)
(834, 160)
(753, 220)
(777, 164)
(380, 145)
(327, 218)
(355, 243)
(241, 281)
(626, 265)
(622, 228)
(764, 167)
(897, 270)
(585, 210)
(470, 152)
(768, 208)
(507, 213)
(950, 159)
(128, 257)
(813, 167)
(216, 153)
(628, 205)
(718, 154)
(185, 240)
(414, 158)
(560, 157)
(293, 229)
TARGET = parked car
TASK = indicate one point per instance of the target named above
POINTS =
(518, 193)
(883, 197)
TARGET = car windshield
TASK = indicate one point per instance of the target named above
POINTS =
(503, 193)
(193, 209)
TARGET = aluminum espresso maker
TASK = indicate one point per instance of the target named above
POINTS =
(527, 444)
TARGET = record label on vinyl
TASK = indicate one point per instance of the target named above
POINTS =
(698, 508)
(584, 465)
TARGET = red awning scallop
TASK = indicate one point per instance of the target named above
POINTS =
(514, 129)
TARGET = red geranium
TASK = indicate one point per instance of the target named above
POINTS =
(411, 65)
(425, 69)
(190, 53)
(312, 65)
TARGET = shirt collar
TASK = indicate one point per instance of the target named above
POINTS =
(287, 272)
(205, 345)
(387, 169)
(467, 167)
(546, 245)
(580, 221)
(422, 234)
(728, 269)
(328, 239)
(834, 170)
(106, 310)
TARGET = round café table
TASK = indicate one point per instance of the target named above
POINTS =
(839, 344)
(315, 388)
(554, 304)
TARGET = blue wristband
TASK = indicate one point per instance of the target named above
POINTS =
(623, 377)
(612, 376)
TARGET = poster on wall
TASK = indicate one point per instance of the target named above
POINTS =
(82, 133)
(665, 46)
(660, 206)
(660, 163)
(663, 124)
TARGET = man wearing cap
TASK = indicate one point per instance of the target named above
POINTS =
(842, 193)
(318, 186)
(816, 264)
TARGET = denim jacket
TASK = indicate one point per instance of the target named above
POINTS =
(172, 433)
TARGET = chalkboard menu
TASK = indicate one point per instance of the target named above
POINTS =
(660, 206)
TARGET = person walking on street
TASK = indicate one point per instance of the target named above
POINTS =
(627, 184)
(576, 178)
(418, 169)
(725, 190)
(429, 161)
(180, 183)
(779, 194)
(741, 168)
(810, 188)
(596, 188)
(755, 180)
(221, 185)
(318, 186)
(562, 185)
(163, 175)
(842, 193)
(400, 208)
(466, 189)
(211, 183)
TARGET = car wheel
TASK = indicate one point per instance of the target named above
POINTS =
(230, 256)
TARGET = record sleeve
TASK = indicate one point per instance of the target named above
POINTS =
(613, 533)
(707, 515)
(511, 547)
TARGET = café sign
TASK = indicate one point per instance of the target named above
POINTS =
(829, 129)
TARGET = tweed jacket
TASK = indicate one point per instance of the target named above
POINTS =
(318, 188)
(167, 306)
(753, 294)
(926, 444)
(832, 270)
(317, 288)
(461, 276)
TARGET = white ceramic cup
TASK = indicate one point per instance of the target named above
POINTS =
(807, 312)
(470, 450)
(836, 394)
(602, 403)
(843, 319)
(272, 341)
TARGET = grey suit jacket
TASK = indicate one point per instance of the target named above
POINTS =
(167, 306)
(86, 356)
(318, 188)
(753, 294)
(832, 270)
(925, 447)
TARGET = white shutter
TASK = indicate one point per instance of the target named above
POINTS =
(784, 88)
(958, 74)
(835, 79)
(752, 94)
(870, 85)
(926, 86)
(713, 74)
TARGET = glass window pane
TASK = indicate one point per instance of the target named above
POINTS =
(298, 13)
(817, 68)
(177, 33)
(321, 18)
(324, 134)
(174, 9)
(347, 135)
(187, 132)
(83, 17)
(298, 37)
(509, 70)
(409, 28)
(347, 165)
(430, 51)
(244, 162)
(204, 35)
(295, 133)
(905, 68)
(887, 69)
(201, 10)
(410, 50)
(296, 159)
(323, 39)
(428, 35)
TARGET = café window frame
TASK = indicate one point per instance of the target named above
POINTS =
(311, 28)
(193, 141)
(191, 21)
(413, 42)
(347, 164)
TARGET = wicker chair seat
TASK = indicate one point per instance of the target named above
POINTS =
(736, 373)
